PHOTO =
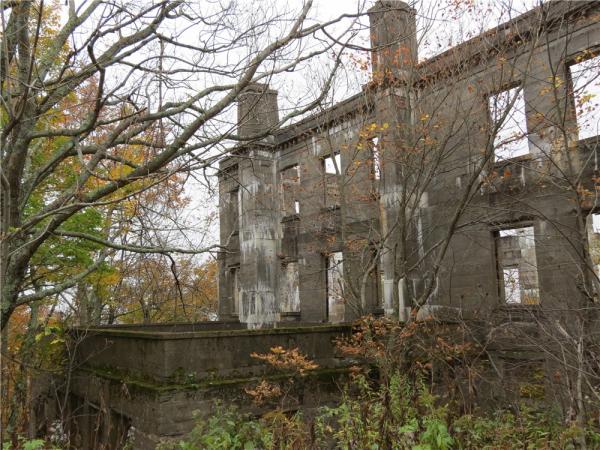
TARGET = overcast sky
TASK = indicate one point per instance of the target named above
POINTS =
(441, 25)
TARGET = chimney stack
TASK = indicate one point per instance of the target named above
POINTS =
(257, 110)
(393, 39)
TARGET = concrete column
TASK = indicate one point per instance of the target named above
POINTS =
(313, 273)
(257, 111)
(260, 231)
(394, 56)
(259, 239)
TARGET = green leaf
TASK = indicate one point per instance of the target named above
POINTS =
(410, 427)
(33, 445)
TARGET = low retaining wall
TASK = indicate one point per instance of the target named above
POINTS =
(155, 379)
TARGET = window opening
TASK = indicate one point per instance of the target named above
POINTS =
(507, 109)
(517, 266)
(330, 165)
(290, 178)
(290, 284)
(585, 78)
(335, 287)
(291, 174)
(376, 158)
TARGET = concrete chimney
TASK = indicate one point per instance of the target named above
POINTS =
(393, 39)
(257, 110)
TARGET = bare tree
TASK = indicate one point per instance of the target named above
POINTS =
(108, 102)
(496, 196)
(117, 59)
(483, 204)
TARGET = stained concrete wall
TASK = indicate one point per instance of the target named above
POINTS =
(165, 355)
(148, 384)
(151, 382)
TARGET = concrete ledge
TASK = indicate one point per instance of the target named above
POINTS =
(156, 334)
(136, 382)
(163, 356)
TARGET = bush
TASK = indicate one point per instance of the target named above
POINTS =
(394, 410)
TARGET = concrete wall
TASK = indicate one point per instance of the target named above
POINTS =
(153, 380)
(432, 122)
(162, 355)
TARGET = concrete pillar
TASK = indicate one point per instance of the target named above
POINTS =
(312, 262)
(394, 56)
(260, 231)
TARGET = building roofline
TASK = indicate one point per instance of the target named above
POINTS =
(510, 33)
(348, 106)
(506, 35)
(471, 51)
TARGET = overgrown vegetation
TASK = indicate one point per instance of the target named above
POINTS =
(398, 416)
(402, 395)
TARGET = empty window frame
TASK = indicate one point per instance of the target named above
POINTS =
(507, 112)
(376, 158)
(593, 237)
(585, 79)
(234, 283)
(333, 164)
(290, 180)
(291, 174)
(517, 266)
(290, 287)
(335, 287)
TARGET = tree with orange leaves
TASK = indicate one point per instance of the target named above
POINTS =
(105, 109)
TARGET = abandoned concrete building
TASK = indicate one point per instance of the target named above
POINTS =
(450, 182)
(462, 186)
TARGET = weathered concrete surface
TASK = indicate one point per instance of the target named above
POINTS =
(201, 355)
(148, 387)
(150, 381)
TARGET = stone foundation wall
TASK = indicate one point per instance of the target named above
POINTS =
(151, 382)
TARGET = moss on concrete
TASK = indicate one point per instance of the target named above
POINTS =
(170, 335)
(138, 382)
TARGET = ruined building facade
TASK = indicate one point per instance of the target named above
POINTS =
(465, 184)
(462, 187)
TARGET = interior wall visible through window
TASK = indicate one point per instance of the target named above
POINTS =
(517, 266)
(335, 287)
(290, 287)
(290, 180)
